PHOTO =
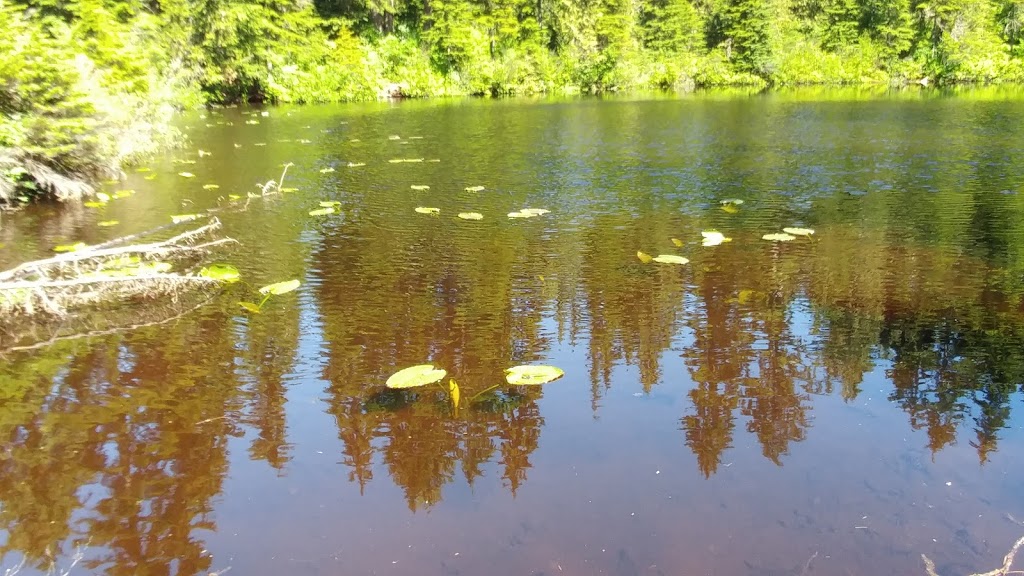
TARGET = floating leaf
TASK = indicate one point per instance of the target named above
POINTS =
(280, 287)
(425, 210)
(730, 208)
(670, 259)
(535, 211)
(677, 242)
(644, 257)
(355, 164)
(798, 231)
(289, 189)
(254, 308)
(186, 175)
(777, 237)
(420, 187)
(474, 188)
(150, 177)
(260, 144)
(222, 272)
(190, 162)
(92, 204)
(322, 211)
(211, 186)
(70, 247)
(414, 376)
(471, 216)
(521, 214)
(532, 375)
(713, 238)
(326, 170)
(179, 218)
(123, 193)
(414, 159)
(234, 197)
(731, 201)
(394, 137)
(103, 197)
(453, 391)
(144, 169)
(107, 223)
(329, 203)
(415, 137)
(204, 153)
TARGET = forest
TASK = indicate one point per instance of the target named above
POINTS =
(90, 86)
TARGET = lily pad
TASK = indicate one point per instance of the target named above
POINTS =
(644, 257)
(329, 203)
(420, 187)
(532, 375)
(69, 247)
(471, 216)
(211, 186)
(778, 237)
(254, 308)
(474, 188)
(280, 287)
(289, 189)
(107, 223)
(355, 164)
(535, 211)
(94, 204)
(731, 201)
(670, 259)
(677, 242)
(713, 238)
(798, 231)
(425, 210)
(521, 214)
(223, 272)
(234, 197)
(186, 175)
(730, 208)
(123, 193)
(179, 218)
(415, 376)
(326, 170)
(103, 197)
(322, 211)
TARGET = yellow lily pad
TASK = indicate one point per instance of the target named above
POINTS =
(280, 287)
(521, 214)
(535, 211)
(778, 237)
(670, 259)
(211, 186)
(532, 375)
(186, 175)
(798, 231)
(471, 216)
(420, 187)
(329, 203)
(677, 242)
(107, 223)
(474, 188)
(426, 210)
(322, 211)
(644, 257)
(179, 218)
(415, 376)
(70, 247)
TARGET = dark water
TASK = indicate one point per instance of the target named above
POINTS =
(834, 405)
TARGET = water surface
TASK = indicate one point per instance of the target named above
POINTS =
(833, 405)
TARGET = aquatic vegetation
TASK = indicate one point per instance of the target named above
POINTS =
(474, 188)
(107, 223)
(355, 164)
(415, 376)
(70, 247)
(426, 210)
(211, 186)
(322, 211)
(471, 216)
(527, 375)
(179, 218)
(419, 187)
(798, 231)
(186, 175)
(677, 242)
(644, 257)
(269, 291)
(713, 238)
(670, 259)
(326, 170)
(778, 237)
(223, 272)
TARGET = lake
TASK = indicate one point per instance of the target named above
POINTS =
(839, 403)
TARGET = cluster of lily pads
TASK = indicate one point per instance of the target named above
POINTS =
(714, 237)
(521, 213)
(427, 374)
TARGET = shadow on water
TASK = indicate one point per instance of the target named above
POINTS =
(839, 403)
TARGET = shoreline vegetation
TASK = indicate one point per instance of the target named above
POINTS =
(89, 86)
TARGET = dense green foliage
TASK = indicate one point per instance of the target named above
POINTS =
(86, 84)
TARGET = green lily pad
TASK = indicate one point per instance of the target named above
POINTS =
(670, 259)
(222, 272)
(532, 375)
(280, 287)
(414, 376)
